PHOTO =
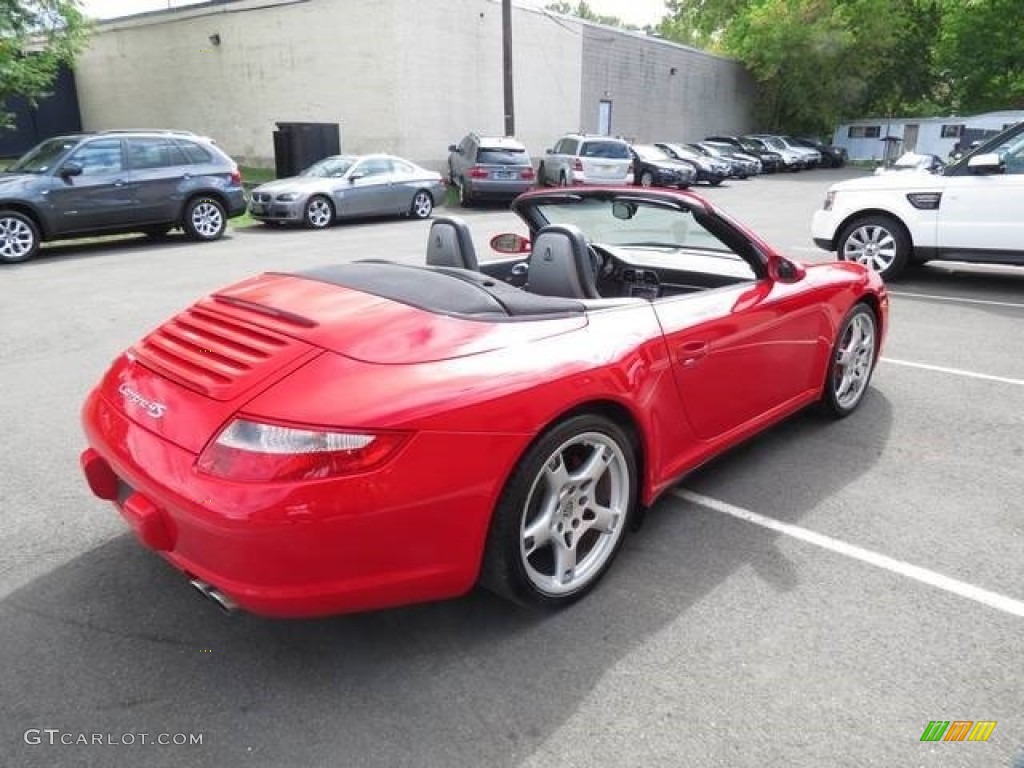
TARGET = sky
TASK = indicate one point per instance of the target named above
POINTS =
(638, 12)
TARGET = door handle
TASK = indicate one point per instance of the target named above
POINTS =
(692, 352)
(119, 183)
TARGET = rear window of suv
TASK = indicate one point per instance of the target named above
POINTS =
(196, 154)
(502, 156)
(612, 150)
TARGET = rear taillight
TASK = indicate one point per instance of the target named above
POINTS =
(528, 174)
(253, 451)
(478, 173)
(236, 176)
(577, 165)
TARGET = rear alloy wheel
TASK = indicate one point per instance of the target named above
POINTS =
(422, 205)
(19, 237)
(563, 514)
(204, 219)
(647, 179)
(877, 242)
(851, 364)
(319, 212)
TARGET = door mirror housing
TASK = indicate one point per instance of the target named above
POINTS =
(356, 177)
(987, 163)
(510, 243)
(70, 169)
(787, 271)
(452, 148)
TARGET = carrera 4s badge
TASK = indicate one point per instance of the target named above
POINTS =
(151, 407)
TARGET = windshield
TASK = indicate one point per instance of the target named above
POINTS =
(649, 153)
(43, 158)
(502, 156)
(682, 151)
(613, 150)
(774, 142)
(626, 221)
(330, 167)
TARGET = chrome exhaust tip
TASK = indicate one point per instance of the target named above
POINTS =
(211, 593)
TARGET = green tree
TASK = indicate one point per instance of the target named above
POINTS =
(979, 55)
(36, 38)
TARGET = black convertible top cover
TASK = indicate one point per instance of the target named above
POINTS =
(444, 290)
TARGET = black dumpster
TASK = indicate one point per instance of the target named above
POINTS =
(298, 145)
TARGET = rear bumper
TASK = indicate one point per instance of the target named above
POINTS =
(406, 533)
(491, 189)
(236, 202)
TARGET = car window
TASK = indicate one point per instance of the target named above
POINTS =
(375, 166)
(330, 167)
(153, 153)
(1012, 154)
(399, 166)
(613, 150)
(566, 147)
(502, 156)
(99, 157)
(196, 153)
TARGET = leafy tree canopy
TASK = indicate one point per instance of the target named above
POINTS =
(36, 37)
(817, 62)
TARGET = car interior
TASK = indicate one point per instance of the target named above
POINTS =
(561, 262)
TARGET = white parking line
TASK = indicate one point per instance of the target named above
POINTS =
(923, 575)
(953, 371)
(958, 300)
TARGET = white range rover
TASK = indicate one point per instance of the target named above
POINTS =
(972, 211)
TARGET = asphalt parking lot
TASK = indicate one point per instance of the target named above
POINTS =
(814, 598)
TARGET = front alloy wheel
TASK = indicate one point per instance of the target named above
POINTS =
(19, 237)
(319, 213)
(564, 513)
(877, 242)
(852, 362)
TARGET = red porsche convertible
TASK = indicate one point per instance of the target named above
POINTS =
(371, 434)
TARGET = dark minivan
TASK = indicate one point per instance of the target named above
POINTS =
(114, 182)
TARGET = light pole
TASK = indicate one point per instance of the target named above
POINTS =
(506, 56)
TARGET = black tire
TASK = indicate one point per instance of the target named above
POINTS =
(647, 179)
(19, 237)
(422, 205)
(542, 179)
(204, 219)
(512, 571)
(319, 212)
(878, 242)
(465, 199)
(847, 380)
(715, 182)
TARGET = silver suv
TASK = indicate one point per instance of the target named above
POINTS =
(489, 167)
(583, 159)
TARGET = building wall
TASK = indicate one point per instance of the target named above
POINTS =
(401, 76)
(661, 91)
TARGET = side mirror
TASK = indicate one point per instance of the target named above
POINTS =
(549, 151)
(987, 163)
(510, 243)
(355, 177)
(70, 169)
(787, 271)
(452, 148)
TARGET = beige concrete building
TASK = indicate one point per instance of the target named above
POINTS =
(401, 76)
